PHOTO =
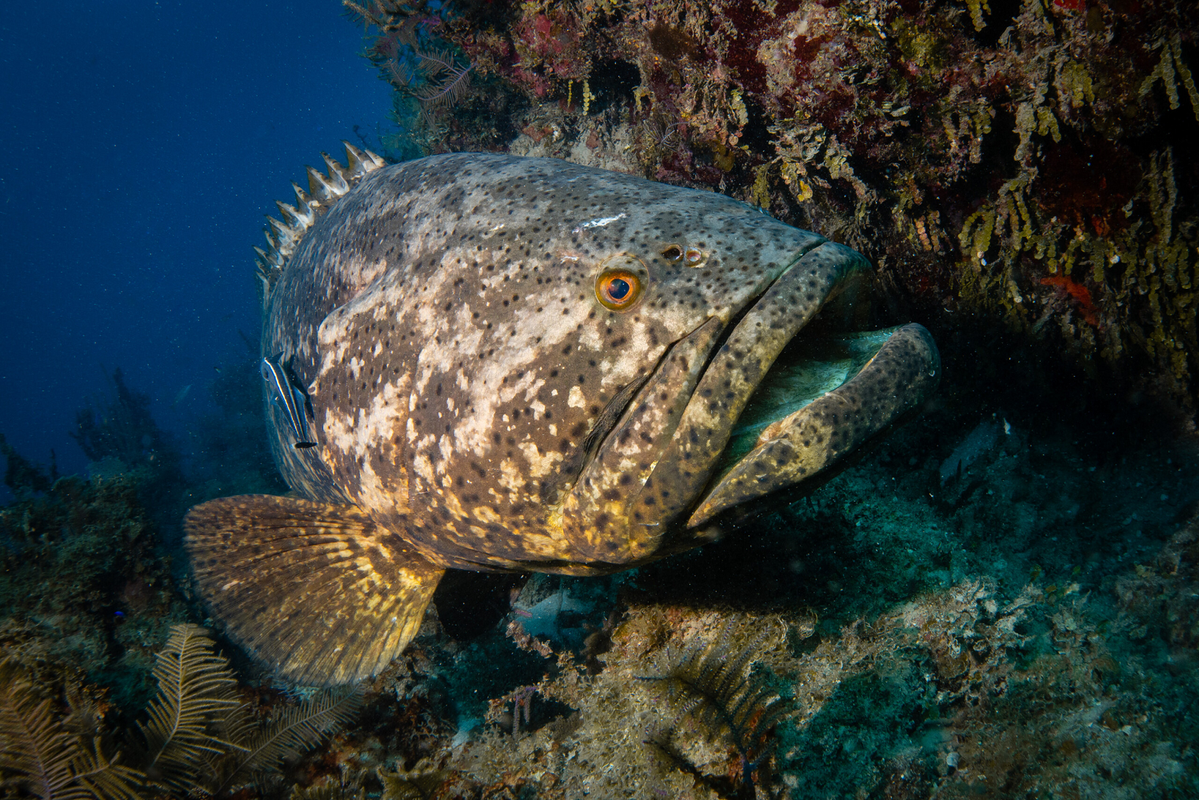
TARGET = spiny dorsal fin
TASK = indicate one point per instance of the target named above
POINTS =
(323, 191)
(318, 590)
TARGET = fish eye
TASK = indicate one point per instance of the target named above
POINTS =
(672, 253)
(617, 289)
(693, 257)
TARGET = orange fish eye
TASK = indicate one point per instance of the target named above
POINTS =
(617, 289)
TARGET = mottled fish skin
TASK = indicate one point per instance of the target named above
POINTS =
(444, 317)
(526, 364)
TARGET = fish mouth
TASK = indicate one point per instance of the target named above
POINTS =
(824, 396)
(772, 408)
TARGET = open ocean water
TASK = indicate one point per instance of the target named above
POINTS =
(142, 143)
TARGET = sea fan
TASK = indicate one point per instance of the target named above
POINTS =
(38, 756)
(195, 694)
(716, 688)
(263, 750)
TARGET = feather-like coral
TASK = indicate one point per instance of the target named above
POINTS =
(198, 739)
(411, 55)
(296, 729)
(434, 77)
(715, 686)
(195, 695)
(40, 757)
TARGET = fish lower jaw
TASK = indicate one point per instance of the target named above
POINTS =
(825, 399)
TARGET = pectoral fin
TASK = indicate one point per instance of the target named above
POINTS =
(318, 590)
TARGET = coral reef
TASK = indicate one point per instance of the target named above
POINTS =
(84, 582)
(120, 437)
(40, 756)
(88, 592)
(24, 478)
(123, 430)
(712, 686)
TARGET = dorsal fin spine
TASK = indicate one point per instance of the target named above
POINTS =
(320, 188)
(337, 177)
(285, 235)
(323, 191)
(295, 217)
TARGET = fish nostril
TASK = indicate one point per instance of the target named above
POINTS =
(672, 253)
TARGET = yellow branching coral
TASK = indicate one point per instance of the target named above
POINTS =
(1172, 70)
(1034, 117)
(975, 236)
(966, 127)
(977, 8)
(1073, 83)
(1163, 192)
(793, 173)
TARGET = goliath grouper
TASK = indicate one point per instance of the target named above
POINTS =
(485, 362)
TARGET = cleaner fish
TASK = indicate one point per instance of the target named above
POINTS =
(486, 362)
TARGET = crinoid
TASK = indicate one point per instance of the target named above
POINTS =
(411, 56)
(717, 689)
(434, 77)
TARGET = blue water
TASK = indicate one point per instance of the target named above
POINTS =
(140, 145)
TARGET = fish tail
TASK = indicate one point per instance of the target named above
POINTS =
(317, 590)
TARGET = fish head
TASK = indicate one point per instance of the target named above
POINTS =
(694, 297)
(657, 286)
